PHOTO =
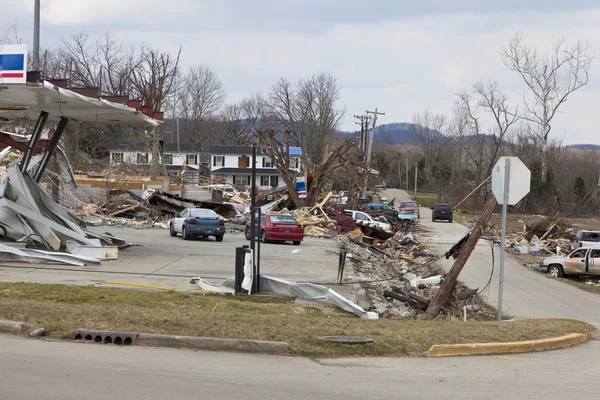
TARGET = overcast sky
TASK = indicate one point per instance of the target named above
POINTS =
(403, 56)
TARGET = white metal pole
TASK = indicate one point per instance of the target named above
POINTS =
(503, 237)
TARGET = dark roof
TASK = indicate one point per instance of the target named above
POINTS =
(167, 147)
(245, 171)
(220, 149)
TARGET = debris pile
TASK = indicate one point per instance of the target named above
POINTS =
(400, 278)
(395, 278)
(545, 237)
(29, 215)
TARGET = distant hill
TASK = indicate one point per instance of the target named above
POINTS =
(585, 146)
(401, 133)
(394, 133)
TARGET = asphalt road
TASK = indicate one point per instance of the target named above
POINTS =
(38, 369)
(526, 294)
(162, 260)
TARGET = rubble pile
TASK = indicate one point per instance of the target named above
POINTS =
(399, 279)
(29, 215)
(545, 237)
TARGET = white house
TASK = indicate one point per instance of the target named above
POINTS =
(232, 164)
(173, 156)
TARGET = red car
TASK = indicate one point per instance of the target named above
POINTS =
(279, 228)
(410, 206)
(345, 223)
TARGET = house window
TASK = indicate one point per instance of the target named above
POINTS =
(117, 157)
(142, 158)
(192, 159)
(296, 163)
(241, 180)
(168, 159)
(218, 161)
(267, 163)
(264, 181)
(274, 181)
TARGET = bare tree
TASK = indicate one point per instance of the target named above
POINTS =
(154, 80)
(201, 95)
(431, 134)
(242, 119)
(483, 145)
(9, 34)
(549, 79)
(101, 63)
(308, 111)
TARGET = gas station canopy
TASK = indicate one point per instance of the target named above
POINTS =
(27, 101)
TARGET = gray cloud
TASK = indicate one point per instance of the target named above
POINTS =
(403, 56)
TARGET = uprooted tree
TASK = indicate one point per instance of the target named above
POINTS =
(332, 160)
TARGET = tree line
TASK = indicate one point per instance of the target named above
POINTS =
(452, 153)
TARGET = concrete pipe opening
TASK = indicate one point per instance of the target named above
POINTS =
(118, 340)
(98, 339)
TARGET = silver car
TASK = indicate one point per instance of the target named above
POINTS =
(583, 261)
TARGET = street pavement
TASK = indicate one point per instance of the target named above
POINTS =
(162, 260)
(38, 369)
(526, 294)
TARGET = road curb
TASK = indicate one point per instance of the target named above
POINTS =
(214, 344)
(12, 326)
(528, 346)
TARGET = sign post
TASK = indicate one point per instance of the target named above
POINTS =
(511, 181)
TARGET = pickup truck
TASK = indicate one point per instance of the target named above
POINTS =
(362, 218)
(583, 261)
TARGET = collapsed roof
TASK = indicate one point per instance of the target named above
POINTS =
(26, 101)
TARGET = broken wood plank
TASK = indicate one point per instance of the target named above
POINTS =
(133, 207)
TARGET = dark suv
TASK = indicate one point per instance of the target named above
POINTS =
(442, 211)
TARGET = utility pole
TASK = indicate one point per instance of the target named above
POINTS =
(36, 36)
(399, 175)
(406, 172)
(362, 119)
(368, 172)
(416, 176)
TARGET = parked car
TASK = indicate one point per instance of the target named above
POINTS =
(582, 261)
(198, 222)
(408, 215)
(278, 228)
(362, 217)
(587, 239)
(410, 206)
(378, 207)
(442, 211)
(346, 223)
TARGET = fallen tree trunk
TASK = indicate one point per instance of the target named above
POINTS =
(445, 291)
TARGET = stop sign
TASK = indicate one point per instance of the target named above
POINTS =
(519, 180)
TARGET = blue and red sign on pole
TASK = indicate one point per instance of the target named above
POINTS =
(13, 63)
